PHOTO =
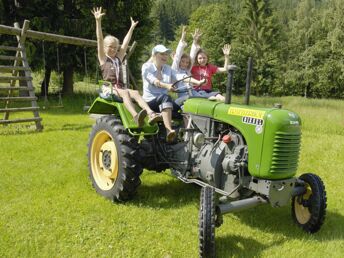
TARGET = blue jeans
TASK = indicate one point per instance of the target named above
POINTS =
(165, 101)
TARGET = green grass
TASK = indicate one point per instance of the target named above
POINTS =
(48, 207)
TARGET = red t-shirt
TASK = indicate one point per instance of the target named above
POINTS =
(201, 72)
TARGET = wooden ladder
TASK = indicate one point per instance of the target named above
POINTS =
(16, 78)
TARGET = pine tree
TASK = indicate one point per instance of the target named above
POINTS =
(258, 38)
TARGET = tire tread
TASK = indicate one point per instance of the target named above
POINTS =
(318, 204)
(130, 169)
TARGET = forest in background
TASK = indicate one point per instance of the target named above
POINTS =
(297, 45)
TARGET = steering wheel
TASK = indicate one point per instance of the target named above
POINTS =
(176, 82)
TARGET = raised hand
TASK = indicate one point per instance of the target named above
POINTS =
(183, 33)
(97, 12)
(133, 23)
(226, 49)
(196, 36)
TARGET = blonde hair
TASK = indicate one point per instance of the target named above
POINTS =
(152, 58)
(184, 55)
(109, 40)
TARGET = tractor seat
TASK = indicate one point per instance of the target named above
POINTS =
(111, 97)
(108, 96)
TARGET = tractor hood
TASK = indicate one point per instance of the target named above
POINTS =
(272, 135)
(221, 111)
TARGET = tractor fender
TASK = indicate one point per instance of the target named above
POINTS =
(110, 107)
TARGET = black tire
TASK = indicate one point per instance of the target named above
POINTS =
(113, 160)
(309, 209)
(207, 222)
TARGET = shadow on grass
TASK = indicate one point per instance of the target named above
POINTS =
(167, 195)
(275, 221)
(279, 220)
(18, 129)
(69, 127)
(24, 130)
(238, 246)
(74, 104)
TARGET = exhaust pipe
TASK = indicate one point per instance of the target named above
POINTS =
(231, 69)
(248, 80)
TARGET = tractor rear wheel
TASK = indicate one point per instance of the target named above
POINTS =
(113, 160)
(309, 209)
(207, 222)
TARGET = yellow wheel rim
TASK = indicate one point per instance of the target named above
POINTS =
(104, 160)
(302, 213)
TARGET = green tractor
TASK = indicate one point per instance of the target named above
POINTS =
(240, 155)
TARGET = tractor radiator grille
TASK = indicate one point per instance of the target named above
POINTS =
(285, 153)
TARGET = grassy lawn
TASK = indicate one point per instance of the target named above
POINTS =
(48, 207)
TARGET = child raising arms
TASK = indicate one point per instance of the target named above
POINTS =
(110, 56)
(182, 64)
(202, 69)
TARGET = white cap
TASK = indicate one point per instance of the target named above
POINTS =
(160, 49)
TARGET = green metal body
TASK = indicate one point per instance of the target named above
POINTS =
(272, 135)
(110, 107)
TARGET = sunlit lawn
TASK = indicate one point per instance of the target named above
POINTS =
(48, 207)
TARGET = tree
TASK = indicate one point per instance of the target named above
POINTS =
(170, 14)
(315, 66)
(250, 27)
(166, 24)
(258, 37)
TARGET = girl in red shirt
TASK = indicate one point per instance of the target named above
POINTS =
(202, 69)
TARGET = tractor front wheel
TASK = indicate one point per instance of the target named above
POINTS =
(309, 208)
(113, 160)
(207, 222)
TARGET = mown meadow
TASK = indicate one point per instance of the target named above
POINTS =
(48, 207)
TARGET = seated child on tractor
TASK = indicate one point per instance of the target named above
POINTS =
(202, 69)
(110, 56)
(182, 64)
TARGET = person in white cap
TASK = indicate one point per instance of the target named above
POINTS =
(110, 56)
(158, 78)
